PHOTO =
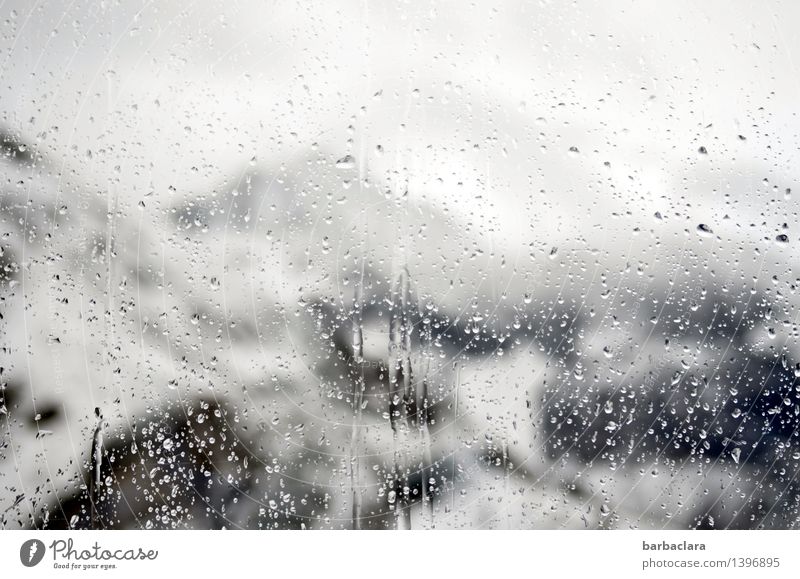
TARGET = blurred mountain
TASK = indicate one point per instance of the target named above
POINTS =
(527, 266)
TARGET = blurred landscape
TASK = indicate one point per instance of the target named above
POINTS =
(399, 265)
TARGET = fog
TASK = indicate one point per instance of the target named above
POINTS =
(412, 265)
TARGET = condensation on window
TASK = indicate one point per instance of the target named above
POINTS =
(399, 266)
